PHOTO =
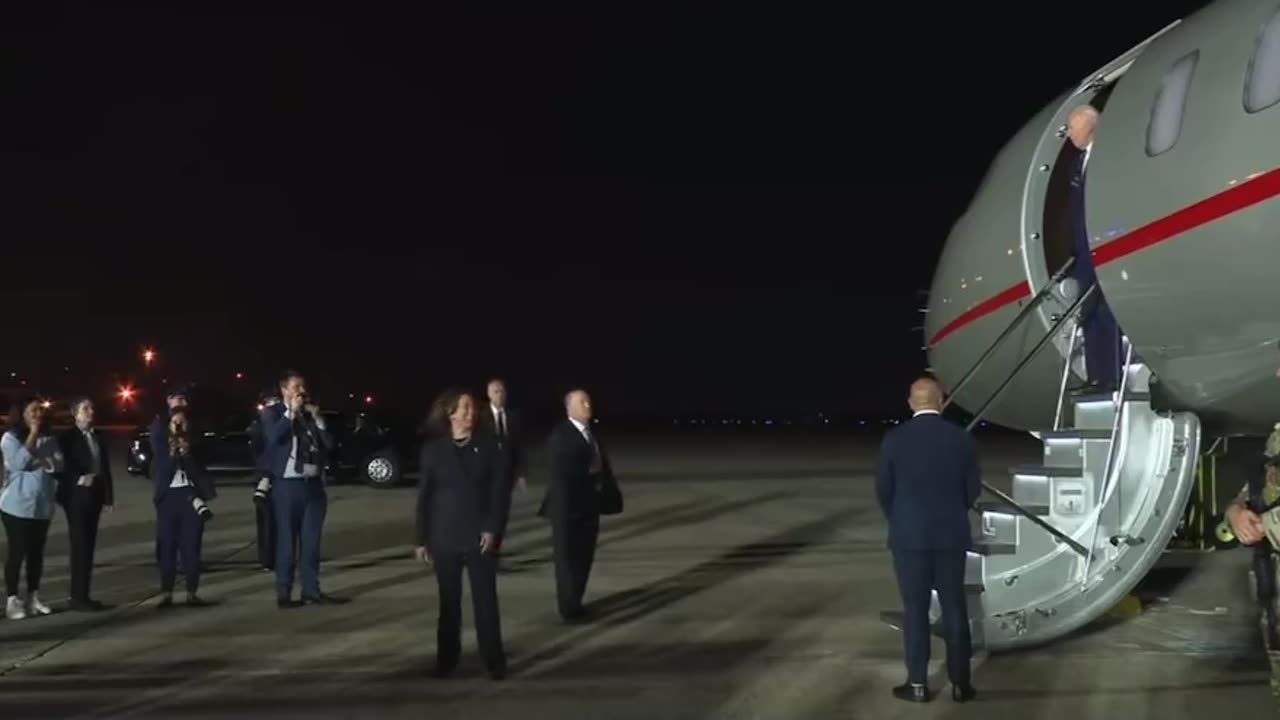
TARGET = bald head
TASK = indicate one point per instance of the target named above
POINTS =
(577, 404)
(926, 394)
(1081, 124)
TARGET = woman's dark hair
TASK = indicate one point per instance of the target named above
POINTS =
(18, 419)
(446, 403)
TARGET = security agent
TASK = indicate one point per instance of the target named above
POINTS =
(296, 441)
(927, 480)
(85, 489)
(263, 511)
(181, 496)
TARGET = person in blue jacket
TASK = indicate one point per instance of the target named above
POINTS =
(181, 495)
(32, 459)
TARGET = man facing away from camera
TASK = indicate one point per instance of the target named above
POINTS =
(928, 478)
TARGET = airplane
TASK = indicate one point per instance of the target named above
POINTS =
(1182, 211)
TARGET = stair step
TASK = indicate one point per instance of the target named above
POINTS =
(1047, 471)
(1076, 434)
(1001, 506)
(1109, 397)
(984, 547)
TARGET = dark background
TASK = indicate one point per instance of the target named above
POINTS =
(395, 202)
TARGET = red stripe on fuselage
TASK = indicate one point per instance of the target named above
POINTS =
(1232, 200)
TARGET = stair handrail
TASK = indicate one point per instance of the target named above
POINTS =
(1025, 312)
(977, 418)
(1066, 373)
(1118, 405)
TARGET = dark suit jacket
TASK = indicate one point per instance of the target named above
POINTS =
(572, 492)
(927, 480)
(455, 506)
(164, 466)
(277, 433)
(78, 460)
(513, 448)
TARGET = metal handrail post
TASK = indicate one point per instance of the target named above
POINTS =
(1066, 372)
(1106, 473)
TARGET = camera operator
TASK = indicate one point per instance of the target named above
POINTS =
(296, 442)
(264, 512)
(181, 494)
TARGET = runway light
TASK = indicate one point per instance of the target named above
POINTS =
(368, 399)
(239, 376)
(148, 355)
(125, 394)
(46, 404)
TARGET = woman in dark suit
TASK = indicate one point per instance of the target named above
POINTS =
(181, 494)
(464, 499)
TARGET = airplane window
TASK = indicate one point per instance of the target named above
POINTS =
(1171, 102)
(1262, 81)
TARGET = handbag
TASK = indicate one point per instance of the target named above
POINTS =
(609, 498)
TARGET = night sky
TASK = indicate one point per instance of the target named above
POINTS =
(398, 202)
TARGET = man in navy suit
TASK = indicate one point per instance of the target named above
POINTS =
(927, 480)
(1101, 334)
(295, 443)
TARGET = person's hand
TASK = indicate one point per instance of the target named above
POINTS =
(86, 480)
(488, 543)
(1246, 524)
(422, 554)
(313, 410)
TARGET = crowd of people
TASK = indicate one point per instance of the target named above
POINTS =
(470, 464)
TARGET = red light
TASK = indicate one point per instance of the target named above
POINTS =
(368, 399)
(239, 376)
(125, 394)
(148, 356)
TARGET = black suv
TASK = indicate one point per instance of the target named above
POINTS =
(371, 447)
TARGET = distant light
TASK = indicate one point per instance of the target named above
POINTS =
(148, 355)
(768, 422)
(368, 399)
(261, 407)
(239, 376)
(125, 394)
(350, 395)
(46, 404)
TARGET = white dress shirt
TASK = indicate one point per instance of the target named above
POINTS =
(596, 463)
(926, 411)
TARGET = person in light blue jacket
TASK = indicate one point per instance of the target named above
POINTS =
(31, 461)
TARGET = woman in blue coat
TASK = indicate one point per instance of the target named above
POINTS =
(31, 461)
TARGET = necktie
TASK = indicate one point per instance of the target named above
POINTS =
(502, 424)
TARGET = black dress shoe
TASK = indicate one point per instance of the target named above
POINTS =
(498, 673)
(285, 603)
(963, 693)
(444, 669)
(912, 693)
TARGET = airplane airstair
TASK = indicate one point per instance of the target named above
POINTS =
(1080, 530)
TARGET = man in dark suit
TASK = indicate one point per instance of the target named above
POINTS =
(504, 424)
(84, 490)
(1101, 334)
(582, 487)
(927, 480)
(296, 443)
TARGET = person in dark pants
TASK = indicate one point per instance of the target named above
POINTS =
(505, 424)
(582, 487)
(296, 443)
(1102, 345)
(84, 491)
(263, 511)
(927, 480)
(175, 401)
(32, 461)
(464, 500)
(181, 496)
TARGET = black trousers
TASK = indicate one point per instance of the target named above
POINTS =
(84, 510)
(180, 532)
(574, 546)
(265, 518)
(483, 571)
(26, 537)
(920, 572)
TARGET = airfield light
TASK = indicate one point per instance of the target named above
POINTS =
(125, 394)
(46, 404)
(148, 356)
(368, 399)
(239, 376)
